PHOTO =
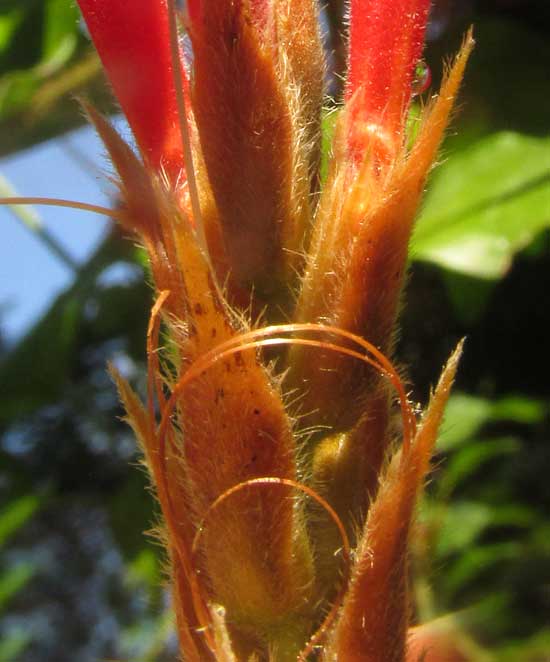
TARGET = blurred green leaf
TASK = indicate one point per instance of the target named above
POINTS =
(540, 539)
(465, 521)
(462, 524)
(485, 204)
(146, 640)
(468, 295)
(15, 514)
(491, 614)
(13, 643)
(513, 514)
(519, 409)
(468, 460)
(9, 21)
(475, 561)
(45, 59)
(534, 649)
(144, 569)
(466, 414)
(16, 88)
(60, 34)
(13, 580)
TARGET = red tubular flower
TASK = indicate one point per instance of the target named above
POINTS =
(134, 46)
(386, 41)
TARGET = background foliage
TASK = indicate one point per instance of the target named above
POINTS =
(78, 580)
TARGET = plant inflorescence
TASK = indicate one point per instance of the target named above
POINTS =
(268, 429)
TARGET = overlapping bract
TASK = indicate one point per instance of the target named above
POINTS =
(253, 564)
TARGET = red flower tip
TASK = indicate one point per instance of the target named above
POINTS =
(386, 40)
(134, 46)
(194, 10)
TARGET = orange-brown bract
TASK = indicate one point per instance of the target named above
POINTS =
(255, 569)
(257, 93)
(375, 614)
